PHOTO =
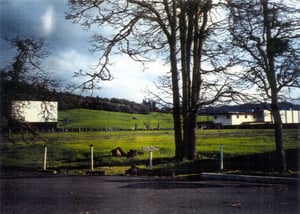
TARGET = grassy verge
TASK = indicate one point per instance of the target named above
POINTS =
(69, 152)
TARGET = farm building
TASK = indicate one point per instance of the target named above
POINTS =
(252, 114)
(37, 113)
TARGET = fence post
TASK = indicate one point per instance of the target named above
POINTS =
(92, 157)
(150, 149)
(221, 157)
(45, 158)
(150, 161)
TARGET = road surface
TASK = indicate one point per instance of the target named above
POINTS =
(135, 195)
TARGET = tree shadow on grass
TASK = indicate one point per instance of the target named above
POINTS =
(263, 162)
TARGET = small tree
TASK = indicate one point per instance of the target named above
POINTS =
(266, 36)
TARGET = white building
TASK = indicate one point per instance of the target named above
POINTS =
(287, 116)
(253, 114)
(234, 118)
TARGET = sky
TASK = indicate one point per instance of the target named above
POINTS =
(69, 47)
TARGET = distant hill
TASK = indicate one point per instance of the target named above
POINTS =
(71, 101)
(23, 91)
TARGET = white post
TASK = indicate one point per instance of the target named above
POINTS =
(221, 157)
(92, 157)
(45, 157)
(150, 149)
(150, 163)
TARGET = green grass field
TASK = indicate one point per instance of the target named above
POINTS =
(85, 118)
(69, 152)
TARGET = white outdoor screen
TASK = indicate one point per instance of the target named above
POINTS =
(35, 111)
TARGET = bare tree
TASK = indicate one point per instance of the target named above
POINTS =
(24, 79)
(140, 29)
(266, 36)
(176, 30)
(203, 80)
(27, 65)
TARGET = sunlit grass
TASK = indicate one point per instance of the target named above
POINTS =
(70, 151)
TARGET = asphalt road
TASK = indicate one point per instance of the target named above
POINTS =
(107, 194)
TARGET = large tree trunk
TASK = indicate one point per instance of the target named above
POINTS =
(281, 158)
(198, 38)
(272, 80)
(186, 30)
(190, 133)
(179, 147)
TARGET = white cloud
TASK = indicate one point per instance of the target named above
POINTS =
(48, 20)
(131, 79)
(65, 62)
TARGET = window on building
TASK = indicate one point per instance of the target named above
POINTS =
(228, 116)
(237, 116)
(215, 117)
(246, 116)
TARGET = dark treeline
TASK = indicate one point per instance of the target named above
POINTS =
(69, 101)
(23, 91)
